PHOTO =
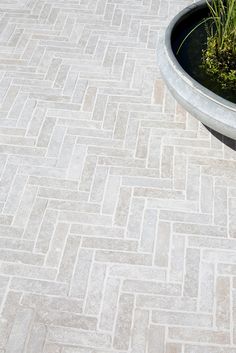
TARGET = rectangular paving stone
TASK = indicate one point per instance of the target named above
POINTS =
(123, 322)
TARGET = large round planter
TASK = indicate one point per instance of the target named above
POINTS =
(212, 110)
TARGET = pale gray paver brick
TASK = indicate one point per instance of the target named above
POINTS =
(20, 330)
(65, 270)
(206, 295)
(166, 302)
(135, 218)
(37, 338)
(162, 317)
(163, 244)
(199, 335)
(156, 339)
(78, 337)
(123, 322)
(111, 194)
(53, 303)
(223, 306)
(80, 278)
(6, 180)
(140, 331)
(95, 289)
(38, 286)
(14, 196)
(46, 230)
(191, 348)
(122, 209)
(149, 231)
(109, 305)
(35, 219)
(191, 277)
(57, 245)
(68, 319)
(25, 206)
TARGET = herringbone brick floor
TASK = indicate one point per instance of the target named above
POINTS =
(118, 209)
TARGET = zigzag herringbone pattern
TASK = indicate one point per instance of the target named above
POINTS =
(118, 209)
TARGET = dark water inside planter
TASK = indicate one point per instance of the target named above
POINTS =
(190, 54)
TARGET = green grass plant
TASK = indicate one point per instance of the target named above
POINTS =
(219, 58)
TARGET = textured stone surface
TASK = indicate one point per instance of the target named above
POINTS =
(117, 208)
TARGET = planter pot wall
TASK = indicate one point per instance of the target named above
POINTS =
(212, 110)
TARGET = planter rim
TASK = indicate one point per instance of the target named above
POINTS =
(184, 75)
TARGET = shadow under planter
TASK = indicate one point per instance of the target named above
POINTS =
(231, 143)
(199, 95)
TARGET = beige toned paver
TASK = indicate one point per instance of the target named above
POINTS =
(117, 208)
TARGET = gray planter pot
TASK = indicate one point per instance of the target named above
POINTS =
(213, 111)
